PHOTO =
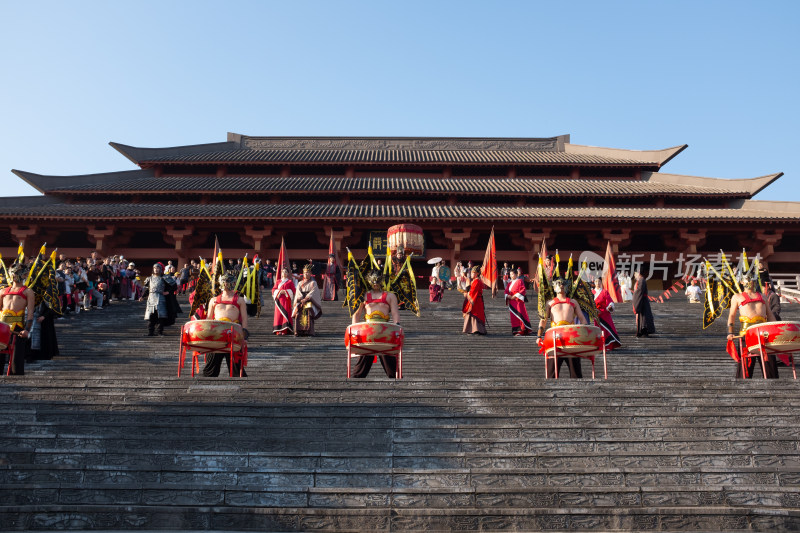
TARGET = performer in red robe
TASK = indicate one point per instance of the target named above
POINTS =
(473, 310)
(283, 294)
(515, 300)
(605, 304)
(332, 277)
(435, 288)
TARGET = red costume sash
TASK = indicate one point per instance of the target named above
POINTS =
(381, 300)
(19, 291)
(748, 300)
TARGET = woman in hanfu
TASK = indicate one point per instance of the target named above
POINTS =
(605, 305)
(283, 294)
(307, 305)
(515, 300)
(332, 277)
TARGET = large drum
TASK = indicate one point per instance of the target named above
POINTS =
(406, 236)
(5, 335)
(573, 339)
(213, 335)
(374, 338)
(774, 337)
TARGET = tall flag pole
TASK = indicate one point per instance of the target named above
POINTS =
(283, 261)
(215, 256)
(489, 267)
(332, 251)
(39, 257)
(545, 292)
(610, 279)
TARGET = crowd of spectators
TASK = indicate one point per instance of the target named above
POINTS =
(86, 283)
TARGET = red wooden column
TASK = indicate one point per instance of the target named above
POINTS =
(101, 238)
(257, 236)
(693, 239)
(617, 237)
(456, 240)
(21, 234)
(179, 237)
(533, 245)
(338, 236)
(767, 241)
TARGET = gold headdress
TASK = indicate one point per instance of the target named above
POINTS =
(227, 281)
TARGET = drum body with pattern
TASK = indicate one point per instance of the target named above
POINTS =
(370, 338)
(775, 337)
(5, 335)
(573, 339)
(213, 335)
(409, 237)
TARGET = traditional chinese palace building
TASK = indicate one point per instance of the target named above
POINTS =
(251, 191)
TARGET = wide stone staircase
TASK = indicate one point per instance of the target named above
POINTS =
(107, 437)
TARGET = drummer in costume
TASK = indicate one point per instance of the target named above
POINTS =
(283, 294)
(307, 306)
(562, 311)
(378, 306)
(473, 309)
(16, 310)
(227, 307)
(605, 306)
(515, 300)
(156, 291)
(752, 310)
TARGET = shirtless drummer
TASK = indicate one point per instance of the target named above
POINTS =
(378, 306)
(562, 311)
(752, 310)
(228, 307)
(17, 311)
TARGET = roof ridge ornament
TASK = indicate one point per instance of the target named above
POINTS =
(550, 144)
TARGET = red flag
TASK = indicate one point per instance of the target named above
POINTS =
(489, 267)
(543, 249)
(283, 261)
(332, 251)
(543, 253)
(610, 280)
(217, 251)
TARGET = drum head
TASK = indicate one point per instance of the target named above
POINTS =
(573, 339)
(365, 338)
(774, 337)
(213, 335)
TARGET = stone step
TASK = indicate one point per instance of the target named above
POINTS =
(106, 436)
(169, 515)
(692, 352)
(244, 495)
(51, 464)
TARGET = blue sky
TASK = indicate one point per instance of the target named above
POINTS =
(720, 76)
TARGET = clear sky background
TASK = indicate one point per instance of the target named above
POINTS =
(720, 76)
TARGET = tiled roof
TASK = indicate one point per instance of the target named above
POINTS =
(428, 186)
(489, 157)
(749, 210)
